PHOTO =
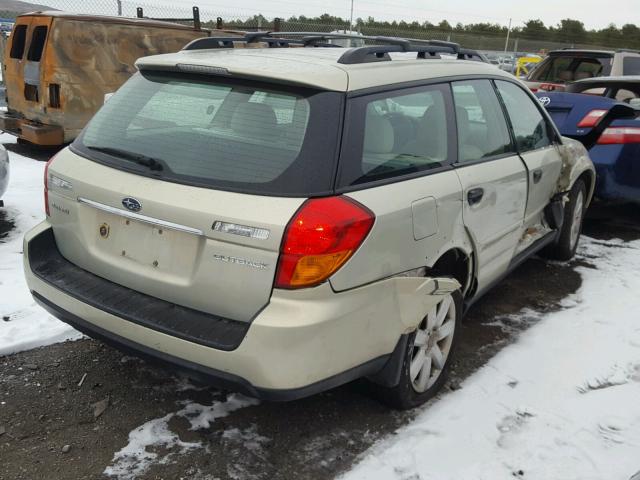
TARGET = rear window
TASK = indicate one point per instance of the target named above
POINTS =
(18, 39)
(631, 66)
(37, 43)
(214, 132)
(568, 68)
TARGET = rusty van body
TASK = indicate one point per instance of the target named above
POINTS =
(59, 66)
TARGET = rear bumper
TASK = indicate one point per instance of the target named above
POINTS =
(617, 172)
(301, 343)
(37, 133)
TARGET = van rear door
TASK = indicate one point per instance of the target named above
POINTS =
(23, 65)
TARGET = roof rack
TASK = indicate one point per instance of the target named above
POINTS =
(370, 53)
(197, 25)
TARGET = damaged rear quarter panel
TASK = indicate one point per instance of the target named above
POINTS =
(575, 162)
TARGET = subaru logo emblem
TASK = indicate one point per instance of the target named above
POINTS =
(544, 101)
(131, 204)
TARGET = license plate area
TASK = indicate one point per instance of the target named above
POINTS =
(153, 246)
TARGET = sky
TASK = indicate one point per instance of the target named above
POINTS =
(592, 13)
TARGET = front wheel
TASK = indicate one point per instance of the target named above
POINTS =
(565, 247)
(428, 355)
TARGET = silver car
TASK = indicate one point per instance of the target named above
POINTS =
(281, 221)
(4, 173)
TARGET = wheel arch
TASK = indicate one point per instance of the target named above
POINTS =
(457, 263)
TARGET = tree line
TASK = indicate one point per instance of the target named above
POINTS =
(568, 31)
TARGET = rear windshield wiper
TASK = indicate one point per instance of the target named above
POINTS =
(139, 158)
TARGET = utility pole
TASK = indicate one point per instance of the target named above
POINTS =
(119, 8)
(506, 44)
(351, 18)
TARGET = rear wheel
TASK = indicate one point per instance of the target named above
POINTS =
(565, 247)
(428, 355)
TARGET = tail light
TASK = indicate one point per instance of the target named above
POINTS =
(619, 135)
(551, 87)
(319, 239)
(592, 118)
(46, 186)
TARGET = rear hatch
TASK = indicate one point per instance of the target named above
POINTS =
(182, 185)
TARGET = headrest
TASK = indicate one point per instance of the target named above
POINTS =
(378, 134)
(254, 119)
(565, 75)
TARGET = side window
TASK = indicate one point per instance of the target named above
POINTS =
(631, 66)
(18, 39)
(529, 126)
(37, 43)
(402, 134)
(482, 128)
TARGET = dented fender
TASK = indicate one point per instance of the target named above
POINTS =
(418, 295)
(575, 162)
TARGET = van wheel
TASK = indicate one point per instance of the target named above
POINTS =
(428, 355)
(567, 243)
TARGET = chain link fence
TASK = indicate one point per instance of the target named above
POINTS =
(234, 19)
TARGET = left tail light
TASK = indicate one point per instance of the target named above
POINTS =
(619, 135)
(592, 118)
(322, 235)
(46, 186)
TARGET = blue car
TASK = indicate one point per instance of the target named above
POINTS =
(604, 115)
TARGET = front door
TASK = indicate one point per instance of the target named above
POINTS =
(534, 139)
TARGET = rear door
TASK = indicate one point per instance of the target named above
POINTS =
(536, 143)
(23, 72)
(493, 177)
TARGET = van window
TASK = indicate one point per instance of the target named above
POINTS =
(220, 133)
(37, 43)
(395, 134)
(529, 126)
(18, 39)
(482, 128)
(631, 66)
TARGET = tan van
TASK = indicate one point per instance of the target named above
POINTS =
(59, 66)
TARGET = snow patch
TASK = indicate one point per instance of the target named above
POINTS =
(154, 443)
(560, 402)
(23, 323)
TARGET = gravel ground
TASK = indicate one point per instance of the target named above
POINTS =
(50, 397)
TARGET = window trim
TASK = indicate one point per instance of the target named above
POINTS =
(368, 95)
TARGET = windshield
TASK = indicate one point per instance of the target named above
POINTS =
(214, 132)
(567, 68)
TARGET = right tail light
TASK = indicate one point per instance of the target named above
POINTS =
(619, 135)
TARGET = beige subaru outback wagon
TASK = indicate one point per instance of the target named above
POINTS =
(281, 221)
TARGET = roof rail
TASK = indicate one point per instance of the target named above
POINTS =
(370, 53)
(627, 50)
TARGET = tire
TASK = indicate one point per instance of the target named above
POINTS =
(565, 247)
(413, 389)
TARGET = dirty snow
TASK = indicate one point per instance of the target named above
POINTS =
(562, 402)
(147, 440)
(23, 324)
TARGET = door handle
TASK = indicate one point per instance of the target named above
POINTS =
(537, 175)
(475, 195)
